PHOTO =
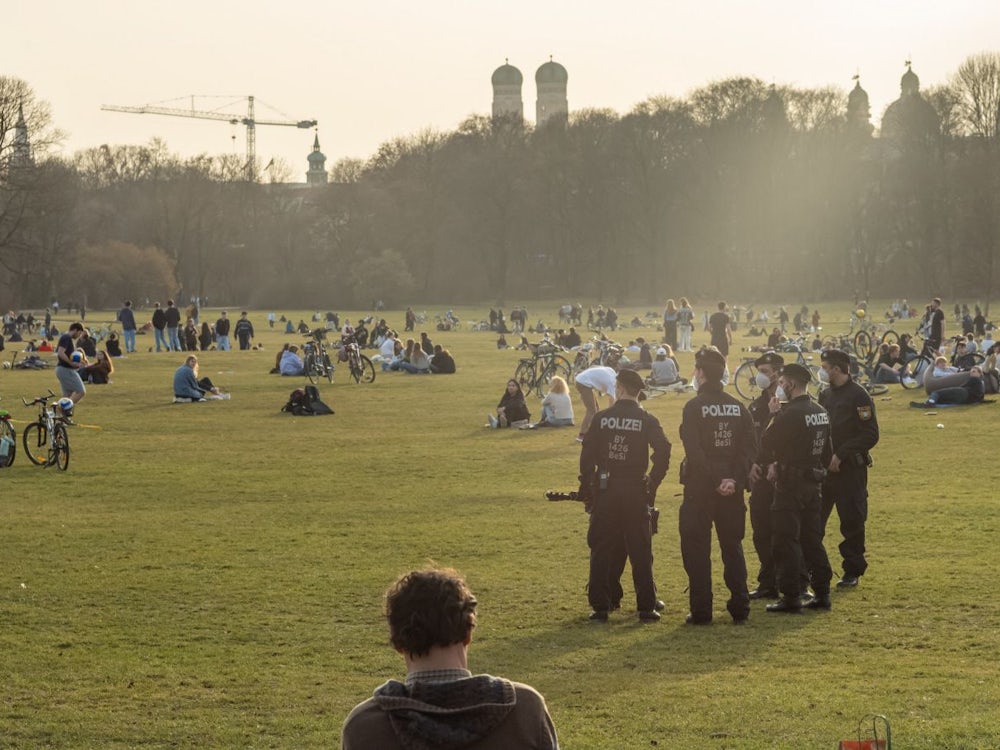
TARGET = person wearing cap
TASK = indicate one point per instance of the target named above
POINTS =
(719, 447)
(794, 450)
(590, 384)
(854, 432)
(762, 409)
(619, 495)
(664, 369)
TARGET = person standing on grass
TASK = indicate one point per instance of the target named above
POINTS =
(722, 335)
(173, 317)
(441, 704)
(793, 455)
(68, 370)
(222, 333)
(719, 448)
(854, 432)
(159, 325)
(127, 318)
(619, 496)
(244, 331)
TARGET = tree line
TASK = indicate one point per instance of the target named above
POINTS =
(740, 189)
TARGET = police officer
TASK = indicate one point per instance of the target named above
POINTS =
(762, 409)
(854, 431)
(613, 481)
(795, 448)
(719, 448)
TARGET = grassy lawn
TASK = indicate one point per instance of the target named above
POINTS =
(210, 575)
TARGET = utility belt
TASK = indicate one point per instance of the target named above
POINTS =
(604, 478)
(858, 459)
(814, 474)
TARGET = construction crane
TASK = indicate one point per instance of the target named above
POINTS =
(250, 121)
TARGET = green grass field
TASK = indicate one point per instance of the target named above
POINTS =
(210, 575)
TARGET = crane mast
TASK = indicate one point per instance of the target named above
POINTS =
(250, 121)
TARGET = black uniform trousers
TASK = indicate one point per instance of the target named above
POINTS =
(847, 489)
(798, 538)
(698, 512)
(761, 500)
(619, 516)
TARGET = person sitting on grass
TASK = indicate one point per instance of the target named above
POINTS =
(419, 363)
(187, 386)
(291, 363)
(557, 407)
(113, 345)
(889, 365)
(442, 363)
(941, 368)
(512, 411)
(100, 372)
(664, 368)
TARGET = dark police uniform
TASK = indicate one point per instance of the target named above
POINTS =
(854, 432)
(613, 465)
(762, 491)
(719, 443)
(799, 441)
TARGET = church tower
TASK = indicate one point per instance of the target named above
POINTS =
(317, 174)
(507, 100)
(551, 106)
(20, 156)
(859, 112)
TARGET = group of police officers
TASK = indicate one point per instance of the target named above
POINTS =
(797, 457)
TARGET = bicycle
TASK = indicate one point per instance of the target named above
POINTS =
(745, 377)
(316, 359)
(8, 438)
(545, 363)
(360, 367)
(46, 441)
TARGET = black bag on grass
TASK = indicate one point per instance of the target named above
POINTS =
(305, 402)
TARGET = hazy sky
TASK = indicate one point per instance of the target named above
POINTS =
(369, 70)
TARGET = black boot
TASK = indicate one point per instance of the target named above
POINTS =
(786, 604)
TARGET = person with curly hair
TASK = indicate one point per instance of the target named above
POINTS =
(431, 614)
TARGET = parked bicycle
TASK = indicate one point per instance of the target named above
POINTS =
(745, 377)
(8, 439)
(536, 373)
(315, 357)
(46, 441)
(359, 366)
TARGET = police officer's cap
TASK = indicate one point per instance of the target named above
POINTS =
(797, 372)
(709, 357)
(769, 358)
(631, 380)
(837, 358)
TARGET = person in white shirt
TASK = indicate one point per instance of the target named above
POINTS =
(590, 384)
(387, 351)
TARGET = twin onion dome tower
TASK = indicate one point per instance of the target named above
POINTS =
(550, 83)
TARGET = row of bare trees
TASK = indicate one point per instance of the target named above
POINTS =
(741, 190)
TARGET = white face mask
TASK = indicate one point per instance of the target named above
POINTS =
(780, 394)
(823, 375)
(763, 381)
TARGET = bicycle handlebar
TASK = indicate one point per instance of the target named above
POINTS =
(39, 400)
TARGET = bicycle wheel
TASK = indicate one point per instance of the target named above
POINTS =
(7, 430)
(35, 440)
(863, 344)
(912, 374)
(59, 452)
(890, 337)
(311, 365)
(367, 370)
(525, 375)
(745, 380)
(876, 389)
(562, 367)
(328, 367)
